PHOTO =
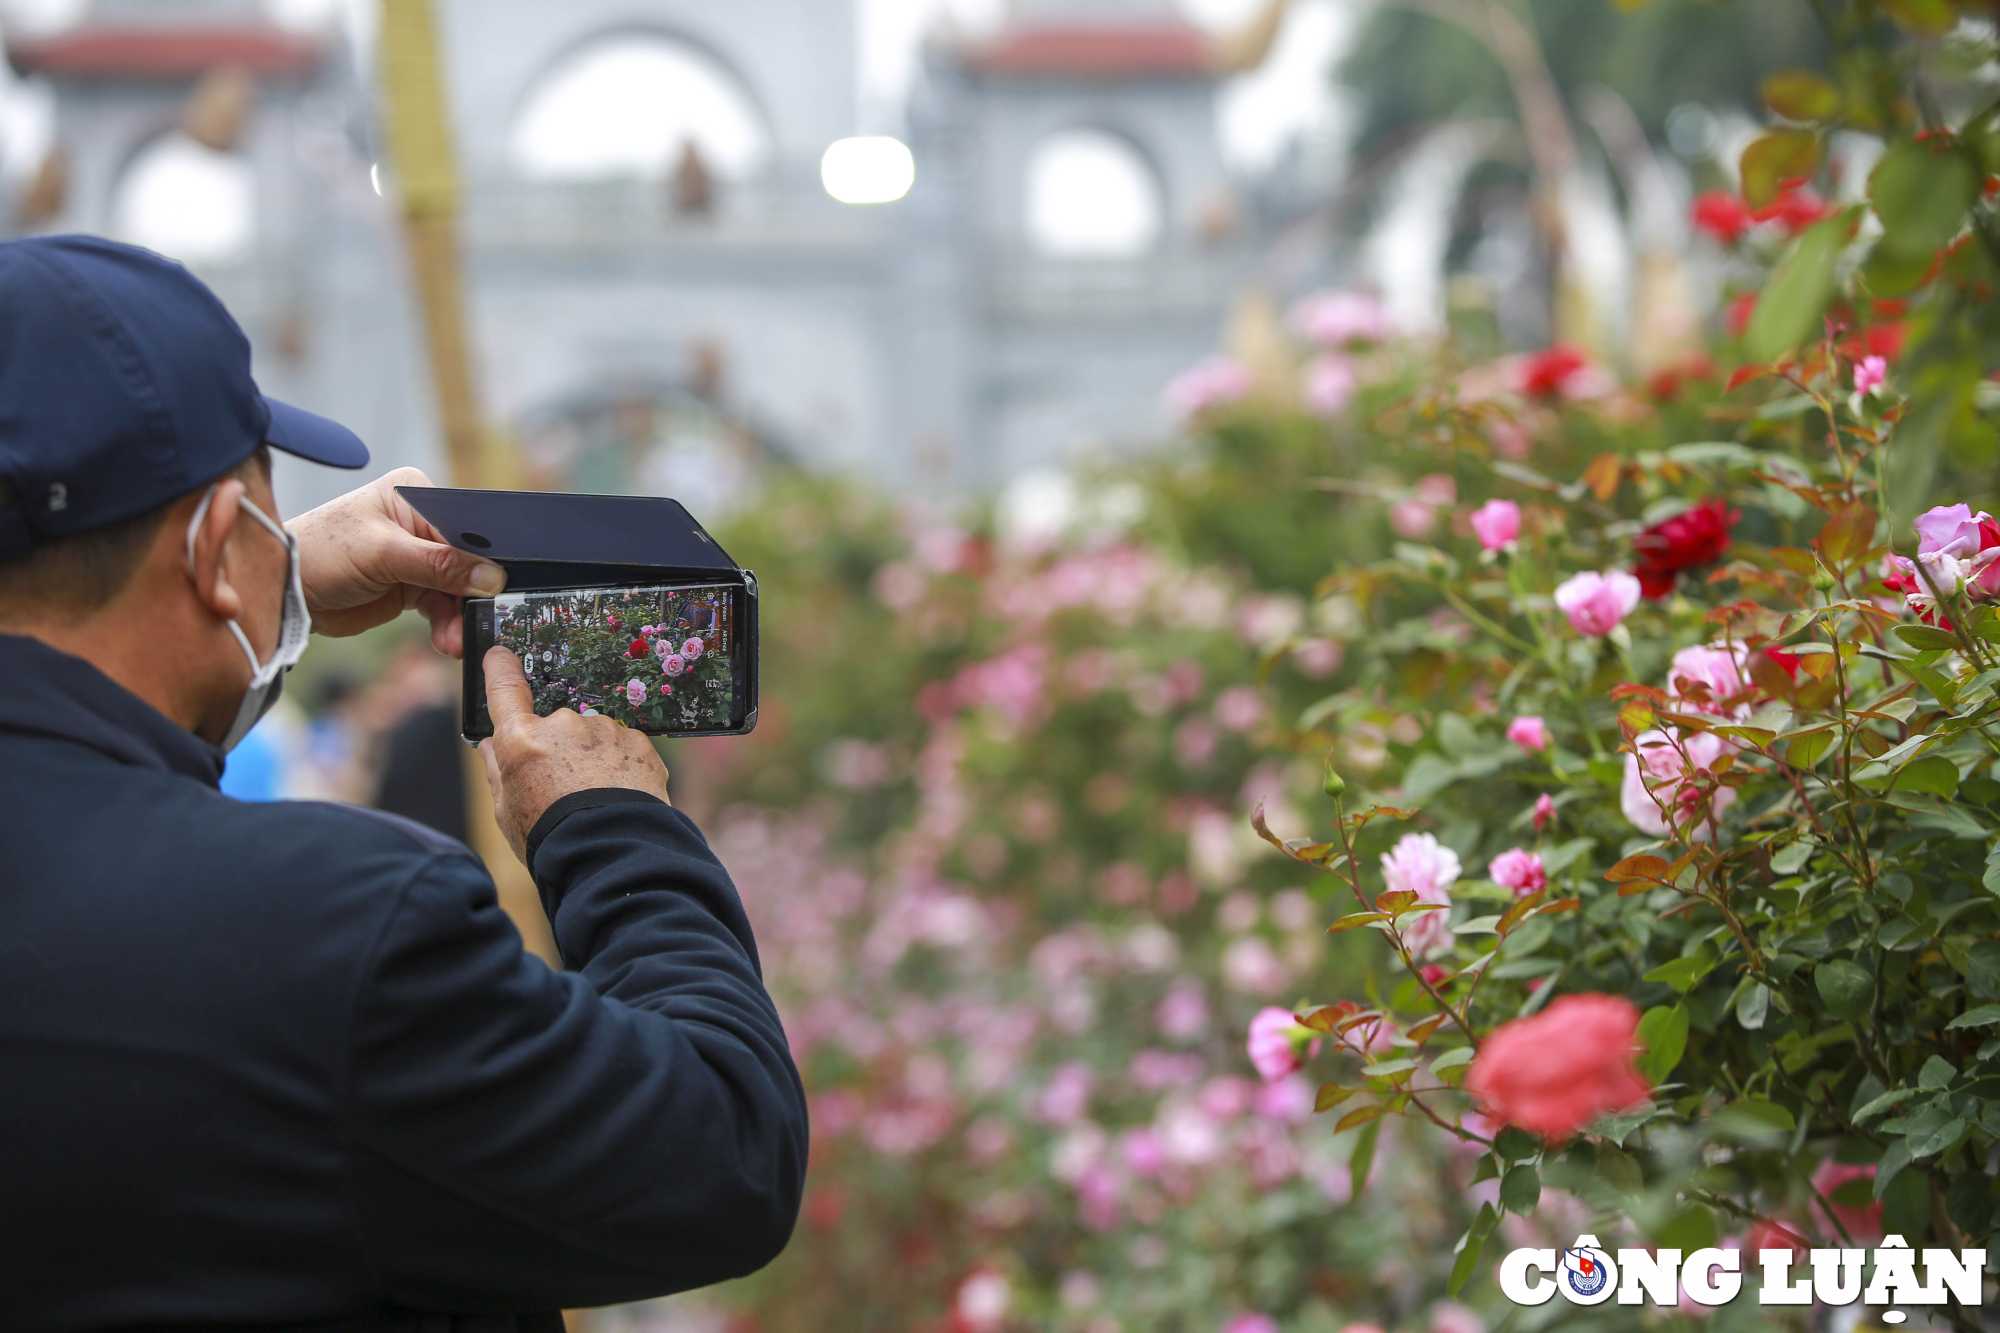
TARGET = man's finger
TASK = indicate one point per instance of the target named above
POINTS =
(492, 771)
(425, 564)
(508, 698)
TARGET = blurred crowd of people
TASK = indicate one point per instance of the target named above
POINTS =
(390, 742)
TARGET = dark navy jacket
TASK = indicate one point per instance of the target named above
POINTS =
(286, 1066)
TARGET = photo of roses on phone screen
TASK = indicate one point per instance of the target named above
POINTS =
(659, 659)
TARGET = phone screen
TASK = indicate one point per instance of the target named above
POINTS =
(670, 660)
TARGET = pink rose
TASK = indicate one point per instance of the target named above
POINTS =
(1529, 732)
(1067, 1095)
(1497, 524)
(1335, 319)
(1545, 810)
(1289, 1100)
(1330, 383)
(1869, 374)
(1414, 518)
(1210, 384)
(673, 664)
(1250, 1322)
(1423, 866)
(1656, 782)
(635, 690)
(1862, 1220)
(1450, 1317)
(1595, 603)
(1519, 870)
(1700, 679)
(693, 649)
(1950, 530)
(1274, 1043)
(1554, 1073)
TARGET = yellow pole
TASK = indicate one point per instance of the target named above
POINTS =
(426, 173)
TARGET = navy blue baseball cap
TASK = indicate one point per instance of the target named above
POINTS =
(124, 385)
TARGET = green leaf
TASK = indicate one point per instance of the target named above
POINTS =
(1469, 1246)
(1877, 1105)
(1788, 312)
(1690, 1229)
(1922, 192)
(1683, 973)
(1893, 1161)
(1931, 1131)
(1663, 1032)
(1933, 773)
(1516, 1145)
(1772, 159)
(1846, 987)
(1330, 1096)
(1798, 94)
(1982, 969)
(1753, 1002)
(1767, 1115)
(1452, 1059)
(1937, 1074)
(1619, 1170)
(1985, 1015)
(1521, 1190)
(1923, 637)
(1806, 751)
(1364, 1155)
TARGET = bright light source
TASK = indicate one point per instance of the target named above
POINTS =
(873, 169)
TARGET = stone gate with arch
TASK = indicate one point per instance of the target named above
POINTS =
(938, 342)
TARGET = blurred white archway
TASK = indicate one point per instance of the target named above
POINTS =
(187, 202)
(1092, 194)
(628, 105)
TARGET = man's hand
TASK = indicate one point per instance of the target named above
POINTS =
(532, 762)
(368, 557)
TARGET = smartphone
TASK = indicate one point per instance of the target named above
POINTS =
(666, 660)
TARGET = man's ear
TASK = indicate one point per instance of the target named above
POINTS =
(209, 567)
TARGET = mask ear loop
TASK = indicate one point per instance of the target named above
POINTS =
(296, 591)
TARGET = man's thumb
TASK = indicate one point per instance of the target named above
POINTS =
(508, 698)
(446, 569)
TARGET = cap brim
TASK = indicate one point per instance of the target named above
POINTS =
(304, 435)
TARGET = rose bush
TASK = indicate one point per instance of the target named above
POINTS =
(1692, 670)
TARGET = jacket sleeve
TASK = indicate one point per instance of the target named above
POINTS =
(529, 1139)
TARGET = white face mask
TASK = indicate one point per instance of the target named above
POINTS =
(267, 680)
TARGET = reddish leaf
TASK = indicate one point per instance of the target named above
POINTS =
(1515, 914)
(1421, 1032)
(1602, 476)
(1392, 900)
(1847, 535)
(1638, 867)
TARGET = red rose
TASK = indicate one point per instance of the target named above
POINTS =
(638, 648)
(1722, 215)
(1795, 209)
(1696, 536)
(1556, 1072)
(1737, 315)
(1548, 372)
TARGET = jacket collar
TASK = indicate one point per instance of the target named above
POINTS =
(44, 692)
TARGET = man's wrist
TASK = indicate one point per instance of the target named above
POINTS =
(565, 806)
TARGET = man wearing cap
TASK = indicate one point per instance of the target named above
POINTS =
(286, 1066)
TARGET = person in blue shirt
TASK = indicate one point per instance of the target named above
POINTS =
(285, 1065)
